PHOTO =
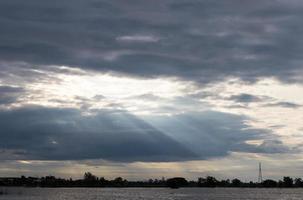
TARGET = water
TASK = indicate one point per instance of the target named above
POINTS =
(149, 193)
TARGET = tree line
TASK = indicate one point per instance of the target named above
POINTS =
(90, 180)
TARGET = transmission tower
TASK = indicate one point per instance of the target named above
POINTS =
(260, 179)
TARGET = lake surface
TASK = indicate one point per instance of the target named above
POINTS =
(149, 193)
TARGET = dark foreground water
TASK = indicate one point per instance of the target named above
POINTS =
(149, 193)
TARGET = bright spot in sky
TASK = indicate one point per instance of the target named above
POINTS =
(152, 97)
(101, 90)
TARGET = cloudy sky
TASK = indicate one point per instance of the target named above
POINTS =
(145, 89)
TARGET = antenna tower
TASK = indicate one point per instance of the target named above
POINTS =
(260, 179)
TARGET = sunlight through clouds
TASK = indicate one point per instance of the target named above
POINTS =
(187, 88)
(264, 115)
(99, 90)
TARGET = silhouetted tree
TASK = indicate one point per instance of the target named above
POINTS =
(236, 182)
(269, 183)
(287, 181)
(224, 183)
(209, 181)
(280, 183)
(89, 180)
(201, 182)
(298, 182)
(119, 182)
(102, 181)
(89, 177)
(176, 182)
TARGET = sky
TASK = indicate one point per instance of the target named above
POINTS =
(149, 89)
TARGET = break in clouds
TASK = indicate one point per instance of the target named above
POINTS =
(150, 81)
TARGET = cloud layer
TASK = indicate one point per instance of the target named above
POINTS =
(198, 40)
(39, 133)
(66, 134)
(150, 81)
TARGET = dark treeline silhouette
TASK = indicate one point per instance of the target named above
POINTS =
(90, 180)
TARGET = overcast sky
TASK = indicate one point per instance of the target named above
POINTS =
(145, 89)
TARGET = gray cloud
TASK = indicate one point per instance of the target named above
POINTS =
(203, 41)
(245, 98)
(249, 98)
(200, 40)
(274, 146)
(212, 134)
(284, 105)
(9, 94)
(66, 134)
(147, 96)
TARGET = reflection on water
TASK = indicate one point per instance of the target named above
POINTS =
(148, 193)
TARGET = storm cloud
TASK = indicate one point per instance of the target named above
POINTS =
(40, 133)
(198, 40)
(65, 134)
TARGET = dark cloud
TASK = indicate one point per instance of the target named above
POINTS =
(274, 146)
(198, 40)
(66, 134)
(245, 98)
(212, 134)
(10, 89)
(284, 105)
(9, 94)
